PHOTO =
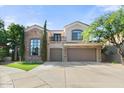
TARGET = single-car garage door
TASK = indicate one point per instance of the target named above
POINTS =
(56, 54)
(81, 54)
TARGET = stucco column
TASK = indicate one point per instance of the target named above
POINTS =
(65, 54)
(48, 54)
(98, 54)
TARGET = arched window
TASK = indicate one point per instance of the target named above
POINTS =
(76, 34)
(35, 47)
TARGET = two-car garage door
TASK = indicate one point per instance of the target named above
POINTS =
(81, 54)
(74, 54)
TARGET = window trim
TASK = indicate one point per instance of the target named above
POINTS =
(73, 32)
(30, 46)
(57, 34)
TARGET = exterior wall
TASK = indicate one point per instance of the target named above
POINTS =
(98, 54)
(35, 32)
(54, 44)
(30, 34)
(51, 33)
(68, 31)
(68, 35)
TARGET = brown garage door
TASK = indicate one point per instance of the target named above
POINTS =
(81, 54)
(56, 54)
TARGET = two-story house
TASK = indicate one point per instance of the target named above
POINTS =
(63, 45)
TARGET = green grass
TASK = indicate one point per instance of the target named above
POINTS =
(114, 62)
(23, 66)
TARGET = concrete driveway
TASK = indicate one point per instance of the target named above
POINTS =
(70, 75)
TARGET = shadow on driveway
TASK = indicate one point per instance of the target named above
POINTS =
(73, 64)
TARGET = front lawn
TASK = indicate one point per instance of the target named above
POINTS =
(23, 66)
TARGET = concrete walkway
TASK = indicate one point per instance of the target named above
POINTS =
(16, 78)
(5, 80)
(61, 75)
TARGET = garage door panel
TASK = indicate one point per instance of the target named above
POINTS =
(55, 54)
(81, 54)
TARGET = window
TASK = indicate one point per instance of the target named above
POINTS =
(57, 37)
(76, 34)
(35, 47)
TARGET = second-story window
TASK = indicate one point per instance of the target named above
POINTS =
(57, 37)
(76, 34)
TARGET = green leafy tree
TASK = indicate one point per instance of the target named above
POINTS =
(4, 50)
(109, 28)
(3, 35)
(44, 43)
(16, 40)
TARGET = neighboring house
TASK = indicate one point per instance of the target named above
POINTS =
(63, 45)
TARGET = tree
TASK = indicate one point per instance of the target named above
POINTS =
(22, 44)
(3, 36)
(44, 43)
(109, 28)
(16, 40)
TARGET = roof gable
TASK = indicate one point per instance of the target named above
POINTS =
(76, 22)
(34, 26)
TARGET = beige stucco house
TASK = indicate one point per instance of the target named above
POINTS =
(63, 45)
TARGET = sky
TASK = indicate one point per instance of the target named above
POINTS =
(57, 16)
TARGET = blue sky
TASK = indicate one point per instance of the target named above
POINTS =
(57, 16)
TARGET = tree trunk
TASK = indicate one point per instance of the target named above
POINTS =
(13, 53)
(120, 55)
(15, 56)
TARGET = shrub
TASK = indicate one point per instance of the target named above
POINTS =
(3, 53)
(109, 50)
(32, 62)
